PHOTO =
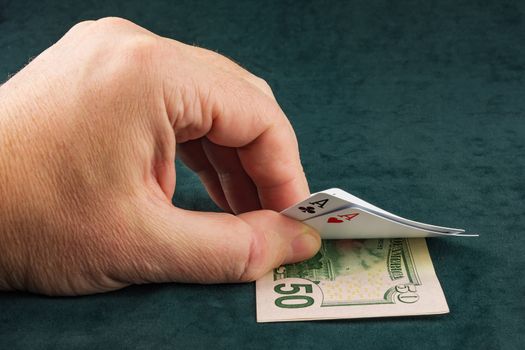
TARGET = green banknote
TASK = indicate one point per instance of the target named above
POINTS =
(354, 279)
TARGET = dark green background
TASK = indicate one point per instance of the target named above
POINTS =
(417, 106)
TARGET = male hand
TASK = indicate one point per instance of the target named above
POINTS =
(88, 134)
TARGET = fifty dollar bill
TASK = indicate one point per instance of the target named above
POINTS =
(353, 279)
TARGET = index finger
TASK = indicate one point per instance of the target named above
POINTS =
(234, 113)
(272, 160)
(267, 146)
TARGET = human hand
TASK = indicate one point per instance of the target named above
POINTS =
(88, 134)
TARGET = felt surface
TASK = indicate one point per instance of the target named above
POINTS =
(416, 106)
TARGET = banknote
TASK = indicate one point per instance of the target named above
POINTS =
(353, 279)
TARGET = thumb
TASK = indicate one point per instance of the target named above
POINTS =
(189, 246)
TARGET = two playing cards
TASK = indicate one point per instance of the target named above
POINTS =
(337, 214)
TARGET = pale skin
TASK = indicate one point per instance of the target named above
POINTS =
(89, 131)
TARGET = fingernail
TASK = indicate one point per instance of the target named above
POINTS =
(304, 246)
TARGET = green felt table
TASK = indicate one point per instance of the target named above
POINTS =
(416, 106)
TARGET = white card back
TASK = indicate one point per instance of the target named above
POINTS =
(358, 223)
(353, 200)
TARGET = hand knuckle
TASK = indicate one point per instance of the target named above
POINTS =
(113, 23)
(128, 61)
(139, 47)
(81, 25)
(263, 85)
(247, 271)
(263, 82)
(258, 258)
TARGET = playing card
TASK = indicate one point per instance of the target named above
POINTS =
(317, 204)
(358, 223)
(373, 222)
(355, 201)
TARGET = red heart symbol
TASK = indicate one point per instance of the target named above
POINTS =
(333, 220)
